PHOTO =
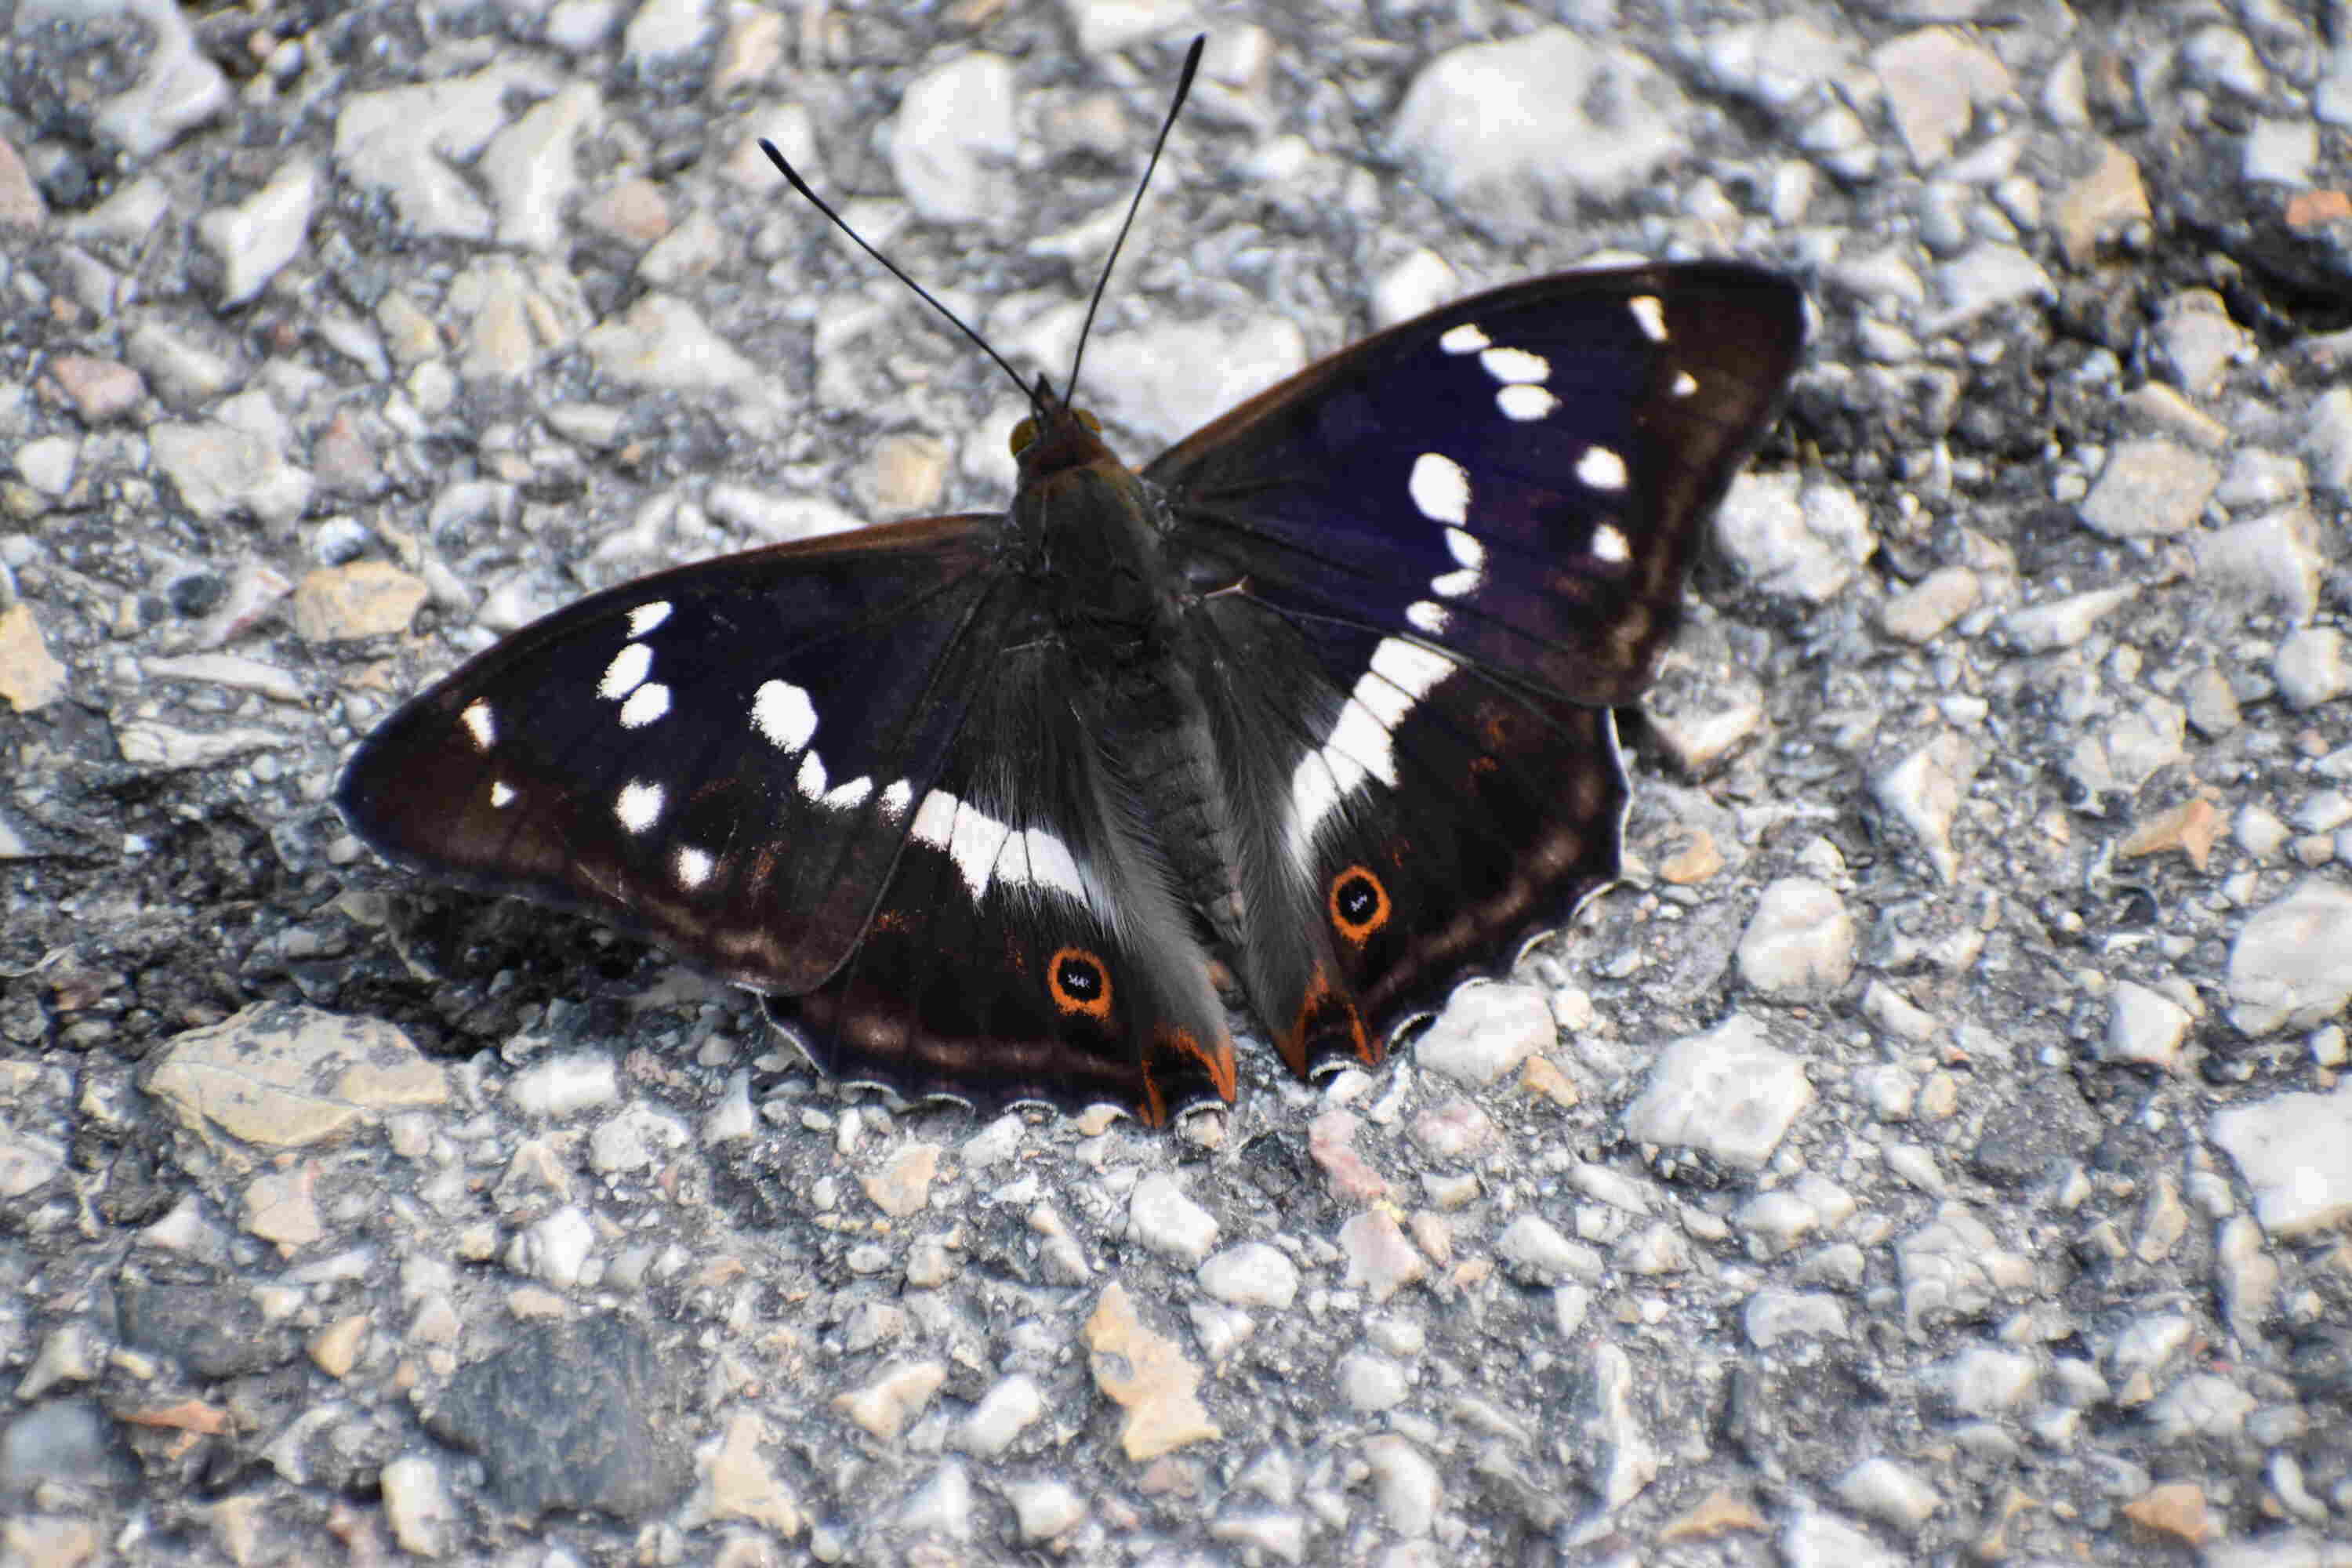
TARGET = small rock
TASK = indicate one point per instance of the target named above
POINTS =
(1251, 1273)
(1164, 1219)
(1147, 1374)
(1533, 1251)
(2149, 488)
(1922, 791)
(2062, 623)
(1889, 1491)
(1800, 943)
(1003, 1413)
(1405, 1483)
(955, 140)
(1045, 1509)
(1379, 1256)
(2310, 666)
(903, 1187)
(2144, 1026)
(737, 1483)
(1517, 133)
(255, 238)
(363, 599)
(29, 677)
(1792, 538)
(1923, 611)
(1729, 1094)
(1486, 1031)
(2175, 1509)
(884, 1406)
(2295, 1152)
(941, 1505)
(1331, 1144)
(2291, 965)
(417, 1505)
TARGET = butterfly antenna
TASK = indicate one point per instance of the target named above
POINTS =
(1183, 87)
(925, 295)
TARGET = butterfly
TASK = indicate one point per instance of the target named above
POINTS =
(1307, 716)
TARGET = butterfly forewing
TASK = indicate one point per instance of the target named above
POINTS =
(726, 757)
(1520, 478)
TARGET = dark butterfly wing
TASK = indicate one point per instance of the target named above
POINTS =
(1401, 830)
(1519, 478)
(1428, 565)
(1027, 946)
(726, 757)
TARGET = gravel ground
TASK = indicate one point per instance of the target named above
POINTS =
(1938, 1150)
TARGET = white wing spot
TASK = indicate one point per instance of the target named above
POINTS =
(1466, 339)
(646, 705)
(895, 797)
(693, 867)
(1455, 585)
(1429, 619)
(1524, 402)
(1601, 468)
(626, 670)
(1609, 544)
(481, 722)
(810, 780)
(1515, 365)
(1684, 383)
(782, 714)
(502, 794)
(848, 796)
(1440, 487)
(646, 617)
(638, 806)
(1360, 745)
(985, 850)
(1650, 314)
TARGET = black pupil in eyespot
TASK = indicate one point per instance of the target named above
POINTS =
(1357, 900)
(1081, 979)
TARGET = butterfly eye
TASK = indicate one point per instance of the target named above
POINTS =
(1080, 984)
(1360, 904)
(1024, 435)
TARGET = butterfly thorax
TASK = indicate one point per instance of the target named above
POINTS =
(1096, 527)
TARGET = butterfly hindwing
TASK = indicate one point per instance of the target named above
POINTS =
(1519, 478)
(724, 757)
(1026, 947)
(1414, 825)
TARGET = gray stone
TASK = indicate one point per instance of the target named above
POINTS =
(1729, 1094)
(1161, 1216)
(2144, 1026)
(1515, 134)
(1251, 1273)
(2291, 966)
(2295, 1151)
(1793, 537)
(2310, 666)
(1801, 941)
(2150, 488)
(953, 141)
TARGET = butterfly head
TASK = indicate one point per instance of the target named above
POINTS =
(1056, 436)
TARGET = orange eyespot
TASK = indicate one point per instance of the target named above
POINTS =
(1079, 984)
(1360, 903)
